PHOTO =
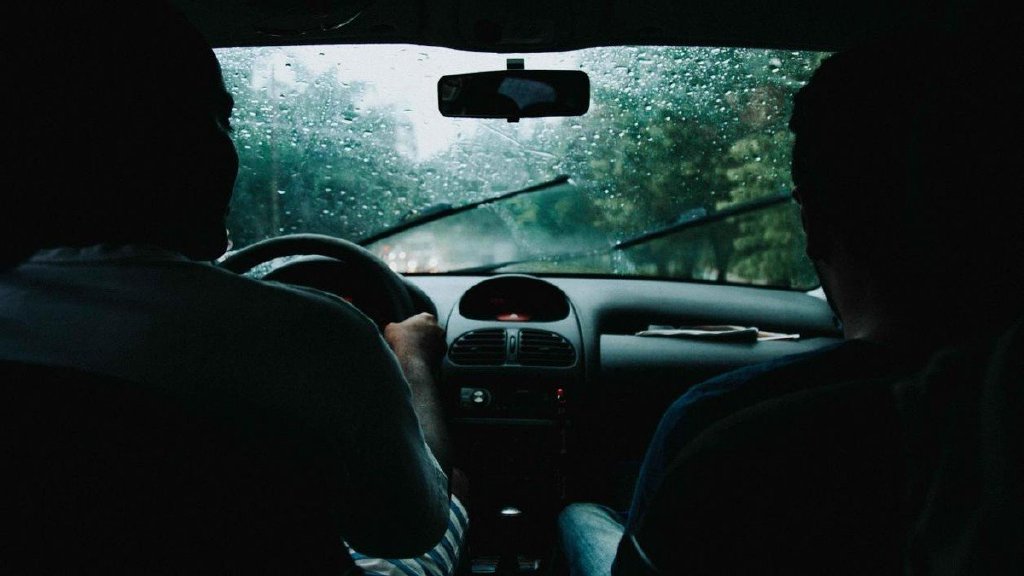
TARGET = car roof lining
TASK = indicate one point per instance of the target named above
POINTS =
(528, 26)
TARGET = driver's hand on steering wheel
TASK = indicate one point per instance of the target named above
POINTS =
(416, 338)
(419, 344)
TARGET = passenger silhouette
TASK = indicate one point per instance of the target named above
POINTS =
(906, 161)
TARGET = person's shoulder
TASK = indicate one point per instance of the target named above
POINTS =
(771, 369)
(277, 297)
(314, 336)
(749, 385)
(838, 361)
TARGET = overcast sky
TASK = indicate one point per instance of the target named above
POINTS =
(405, 78)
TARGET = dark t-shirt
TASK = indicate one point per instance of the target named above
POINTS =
(715, 399)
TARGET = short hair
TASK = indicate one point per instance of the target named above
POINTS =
(922, 119)
(106, 76)
(913, 150)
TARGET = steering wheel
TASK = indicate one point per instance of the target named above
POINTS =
(397, 304)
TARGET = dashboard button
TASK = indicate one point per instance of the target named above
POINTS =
(474, 397)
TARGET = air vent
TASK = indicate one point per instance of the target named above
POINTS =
(540, 348)
(479, 348)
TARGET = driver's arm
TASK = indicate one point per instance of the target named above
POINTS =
(394, 500)
(418, 343)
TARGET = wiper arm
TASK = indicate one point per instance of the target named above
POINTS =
(700, 220)
(444, 211)
(690, 219)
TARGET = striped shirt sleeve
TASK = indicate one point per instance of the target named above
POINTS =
(441, 560)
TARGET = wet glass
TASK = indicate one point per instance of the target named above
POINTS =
(348, 141)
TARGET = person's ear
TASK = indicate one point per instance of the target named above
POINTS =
(819, 238)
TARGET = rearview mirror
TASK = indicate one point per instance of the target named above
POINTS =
(514, 94)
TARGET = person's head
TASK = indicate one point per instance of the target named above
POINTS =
(907, 161)
(126, 131)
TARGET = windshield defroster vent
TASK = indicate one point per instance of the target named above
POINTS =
(541, 348)
(479, 348)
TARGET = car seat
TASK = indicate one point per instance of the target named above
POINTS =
(106, 475)
(965, 440)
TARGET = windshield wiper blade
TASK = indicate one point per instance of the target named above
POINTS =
(443, 211)
(702, 219)
(689, 219)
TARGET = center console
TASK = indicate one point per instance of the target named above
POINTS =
(513, 365)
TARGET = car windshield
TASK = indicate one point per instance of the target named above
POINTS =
(347, 141)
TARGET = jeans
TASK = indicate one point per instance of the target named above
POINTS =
(590, 535)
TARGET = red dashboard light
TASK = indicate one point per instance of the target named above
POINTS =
(513, 317)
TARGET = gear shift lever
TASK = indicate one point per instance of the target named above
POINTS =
(510, 523)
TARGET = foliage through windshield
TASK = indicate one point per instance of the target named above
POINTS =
(347, 141)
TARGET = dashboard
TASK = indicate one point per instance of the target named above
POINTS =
(555, 364)
(552, 395)
(585, 329)
(525, 350)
